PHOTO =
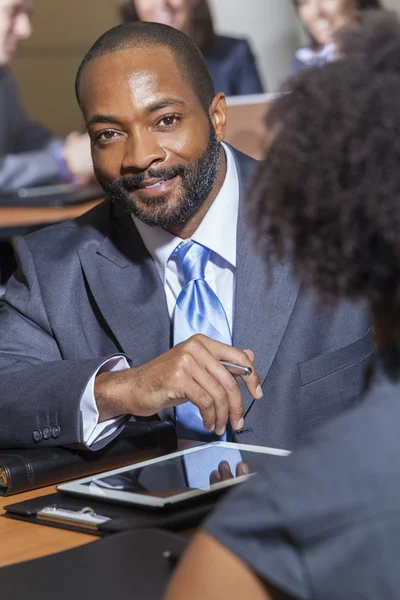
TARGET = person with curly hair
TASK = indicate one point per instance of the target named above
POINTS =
(322, 19)
(325, 522)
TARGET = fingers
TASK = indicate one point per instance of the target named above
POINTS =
(230, 406)
(204, 402)
(191, 371)
(250, 354)
(221, 385)
(225, 470)
(223, 473)
(214, 403)
(223, 352)
(242, 468)
(215, 477)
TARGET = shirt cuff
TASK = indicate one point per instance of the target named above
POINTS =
(93, 431)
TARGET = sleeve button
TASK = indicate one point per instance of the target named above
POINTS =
(55, 431)
(37, 435)
(46, 433)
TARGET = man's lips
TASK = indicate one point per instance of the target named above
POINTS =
(154, 187)
(152, 182)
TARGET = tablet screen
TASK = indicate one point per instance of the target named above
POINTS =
(200, 470)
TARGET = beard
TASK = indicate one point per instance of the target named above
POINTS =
(196, 183)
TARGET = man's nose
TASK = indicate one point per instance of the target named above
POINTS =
(23, 26)
(318, 8)
(177, 4)
(141, 151)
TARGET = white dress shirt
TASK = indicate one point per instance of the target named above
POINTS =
(218, 232)
(317, 58)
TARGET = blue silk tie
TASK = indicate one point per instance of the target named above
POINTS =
(198, 310)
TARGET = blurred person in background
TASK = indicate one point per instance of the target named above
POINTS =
(324, 522)
(29, 154)
(322, 19)
(230, 60)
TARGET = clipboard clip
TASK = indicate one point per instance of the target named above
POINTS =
(86, 517)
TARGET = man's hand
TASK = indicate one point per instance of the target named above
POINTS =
(78, 157)
(223, 473)
(190, 371)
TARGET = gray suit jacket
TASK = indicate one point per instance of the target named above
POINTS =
(27, 154)
(88, 289)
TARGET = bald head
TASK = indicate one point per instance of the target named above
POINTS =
(131, 36)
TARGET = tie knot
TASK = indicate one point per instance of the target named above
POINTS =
(193, 258)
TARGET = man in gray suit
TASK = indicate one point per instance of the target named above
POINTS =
(29, 154)
(110, 290)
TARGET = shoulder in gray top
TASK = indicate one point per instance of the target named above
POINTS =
(325, 522)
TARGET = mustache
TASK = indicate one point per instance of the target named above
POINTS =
(129, 182)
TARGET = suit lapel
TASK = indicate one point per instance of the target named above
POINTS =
(264, 301)
(128, 291)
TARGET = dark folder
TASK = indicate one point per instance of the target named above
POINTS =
(135, 564)
(52, 510)
(22, 470)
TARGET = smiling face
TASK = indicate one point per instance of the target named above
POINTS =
(176, 13)
(323, 18)
(15, 26)
(154, 148)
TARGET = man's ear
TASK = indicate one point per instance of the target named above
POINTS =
(217, 112)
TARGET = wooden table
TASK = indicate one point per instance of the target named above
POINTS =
(23, 541)
(15, 219)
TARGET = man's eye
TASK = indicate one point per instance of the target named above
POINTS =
(104, 136)
(168, 121)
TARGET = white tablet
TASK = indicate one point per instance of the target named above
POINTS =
(178, 477)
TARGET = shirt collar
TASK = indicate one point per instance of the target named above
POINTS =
(217, 231)
(312, 57)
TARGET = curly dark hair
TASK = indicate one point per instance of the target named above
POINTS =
(327, 194)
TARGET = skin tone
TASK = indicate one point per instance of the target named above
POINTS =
(15, 26)
(223, 473)
(176, 13)
(323, 18)
(156, 121)
(209, 570)
(76, 153)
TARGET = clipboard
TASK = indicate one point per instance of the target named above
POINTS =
(104, 518)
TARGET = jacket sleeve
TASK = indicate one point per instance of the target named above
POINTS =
(40, 393)
(247, 80)
(30, 156)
